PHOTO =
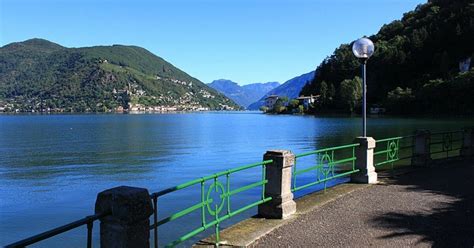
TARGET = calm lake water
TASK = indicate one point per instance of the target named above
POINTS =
(53, 166)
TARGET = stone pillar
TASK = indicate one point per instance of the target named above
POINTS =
(365, 161)
(128, 225)
(467, 148)
(278, 186)
(421, 149)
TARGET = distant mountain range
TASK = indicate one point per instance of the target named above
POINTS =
(290, 89)
(243, 95)
(38, 74)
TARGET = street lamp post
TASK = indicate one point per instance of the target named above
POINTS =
(363, 48)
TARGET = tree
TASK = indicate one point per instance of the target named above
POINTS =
(332, 91)
(400, 100)
(444, 63)
(323, 92)
(418, 37)
(301, 109)
(351, 93)
(294, 104)
(284, 100)
(279, 106)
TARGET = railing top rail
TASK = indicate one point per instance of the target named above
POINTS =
(446, 132)
(203, 179)
(326, 149)
(388, 139)
(393, 138)
(57, 230)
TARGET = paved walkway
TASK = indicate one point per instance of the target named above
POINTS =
(430, 207)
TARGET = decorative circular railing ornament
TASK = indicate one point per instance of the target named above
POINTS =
(326, 164)
(392, 149)
(217, 186)
(447, 142)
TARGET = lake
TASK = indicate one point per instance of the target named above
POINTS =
(53, 166)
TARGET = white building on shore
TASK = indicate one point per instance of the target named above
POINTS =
(306, 101)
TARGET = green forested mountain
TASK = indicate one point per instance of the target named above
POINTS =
(415, 67)
(37, 74)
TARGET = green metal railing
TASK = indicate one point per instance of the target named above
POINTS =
(88, 221)
(393, 149)
(216, 192)
(449, 142)
(331, 163)
(205, 205)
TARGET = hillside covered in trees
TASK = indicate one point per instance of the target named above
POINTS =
(416, 67)
(38, 75)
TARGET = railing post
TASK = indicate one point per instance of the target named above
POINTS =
(278, 186)
(467, 149)
(365, 161)
(421, 149)
(128, 225)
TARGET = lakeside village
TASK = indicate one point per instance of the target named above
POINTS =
(132, 109)
(130, 100)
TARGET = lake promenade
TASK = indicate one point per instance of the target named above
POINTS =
(425, 207)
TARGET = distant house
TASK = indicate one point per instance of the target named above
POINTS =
(376, 110)
(306, 101)
(465, 65)
(140, 92)
(270, 101)
(119, 109)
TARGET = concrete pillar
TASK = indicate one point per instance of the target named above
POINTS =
(278, 186)
(467, 148)
(365, 161)
(421, 149)
(128, 225)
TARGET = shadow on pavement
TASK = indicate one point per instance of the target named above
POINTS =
(449, 223)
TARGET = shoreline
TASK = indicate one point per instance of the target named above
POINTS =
(117, 113)
(325, 115)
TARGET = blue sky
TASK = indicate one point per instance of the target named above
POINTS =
(246, 41)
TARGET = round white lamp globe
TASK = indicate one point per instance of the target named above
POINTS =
(363, 48)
